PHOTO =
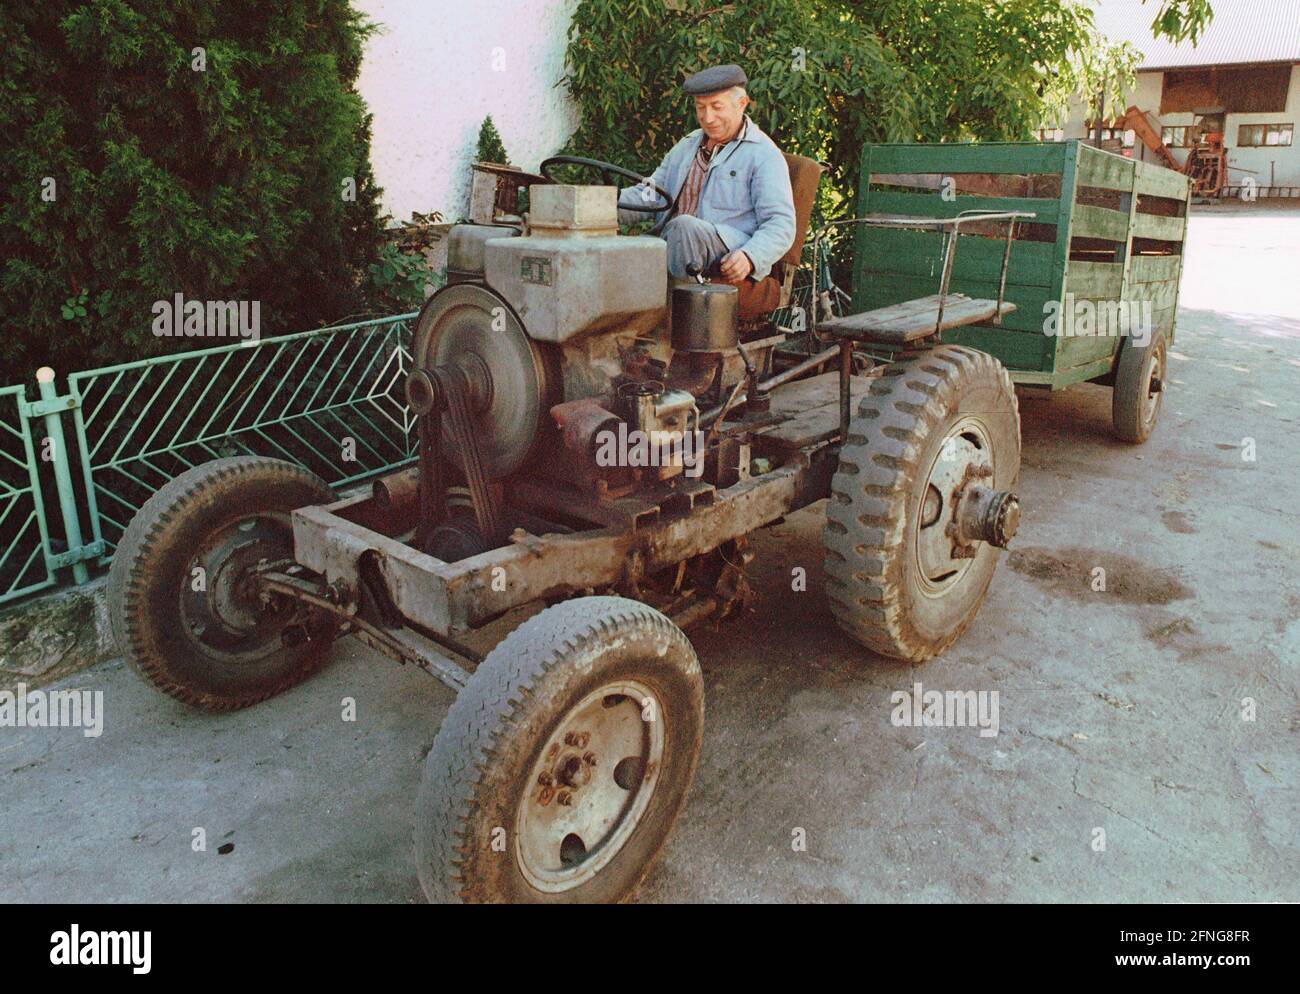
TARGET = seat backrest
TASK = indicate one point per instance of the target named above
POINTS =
(805, 174)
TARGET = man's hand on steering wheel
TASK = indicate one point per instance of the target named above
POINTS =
(608, 169)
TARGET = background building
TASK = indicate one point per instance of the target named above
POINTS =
(1242, 79)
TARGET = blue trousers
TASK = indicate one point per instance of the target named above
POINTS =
(692, 242)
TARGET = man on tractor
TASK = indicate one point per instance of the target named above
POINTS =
(732, 215)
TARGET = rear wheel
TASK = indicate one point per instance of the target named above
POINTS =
(921, 500)
(185, 609)
(560, 769)
(1139, 389)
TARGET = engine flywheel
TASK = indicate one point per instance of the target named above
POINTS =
(469, 326)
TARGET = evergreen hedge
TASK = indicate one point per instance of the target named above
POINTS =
(216, 148)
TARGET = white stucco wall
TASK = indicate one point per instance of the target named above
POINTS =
(437, 69)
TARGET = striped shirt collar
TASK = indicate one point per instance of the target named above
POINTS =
(705, 153)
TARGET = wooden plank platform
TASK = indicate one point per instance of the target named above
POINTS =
(812, 407)
(899, 324)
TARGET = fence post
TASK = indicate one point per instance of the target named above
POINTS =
(62, 475)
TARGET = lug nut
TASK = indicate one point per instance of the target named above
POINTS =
(545, 779)
(565, 798)
(589, 758)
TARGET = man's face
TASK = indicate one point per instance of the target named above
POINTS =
(720, 114)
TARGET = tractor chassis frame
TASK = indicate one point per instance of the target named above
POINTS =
(412, 606)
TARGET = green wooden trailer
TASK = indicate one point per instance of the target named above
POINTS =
(1094, 276)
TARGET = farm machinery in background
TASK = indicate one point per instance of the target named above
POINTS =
(1206, 164)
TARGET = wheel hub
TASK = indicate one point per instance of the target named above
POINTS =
(221, 605)
(1155, 386)
(590, 786)
(959, 508)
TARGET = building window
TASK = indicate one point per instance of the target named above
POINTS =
(1175, 137)
(1116, 134)
(1261, 135)
(1051, 134)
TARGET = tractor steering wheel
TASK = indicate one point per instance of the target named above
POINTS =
(607, 169)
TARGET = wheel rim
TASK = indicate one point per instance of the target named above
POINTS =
(966, 454)
(1154, 387)
(590, 786)
(226, 616)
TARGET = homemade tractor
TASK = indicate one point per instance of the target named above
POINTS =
(602, 442)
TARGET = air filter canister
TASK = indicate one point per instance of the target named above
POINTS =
(704, 317)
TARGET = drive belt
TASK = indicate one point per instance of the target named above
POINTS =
(453, 402)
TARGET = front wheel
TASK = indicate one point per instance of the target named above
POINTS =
(560, 769)
(922, 500)
(184, 605)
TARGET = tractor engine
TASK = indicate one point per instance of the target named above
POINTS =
(563, 358)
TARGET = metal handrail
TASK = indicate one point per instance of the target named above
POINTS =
(951, 229)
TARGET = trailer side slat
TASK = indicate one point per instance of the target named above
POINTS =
(932, 205)
(1156, 181)
(1099, 222)
(1015, 351)
(1076, 350)
(1163, 293)
(1069, 373)
(1106, 319)
(1095, 280)
(918, 253)
(969, 157)
(1169, 229)
(1102, 323)
(1104, 170)
(1154, 268)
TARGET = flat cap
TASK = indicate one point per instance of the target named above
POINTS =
(715, 79)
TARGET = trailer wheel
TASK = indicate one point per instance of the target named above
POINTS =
(1139, 389)
(920, 500)
(562, 765)
(182, 608)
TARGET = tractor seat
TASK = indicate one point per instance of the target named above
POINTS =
(758, 298)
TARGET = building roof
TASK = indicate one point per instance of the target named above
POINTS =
(1241, 31)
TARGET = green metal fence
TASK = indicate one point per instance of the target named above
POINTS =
(25, 550)
(330, 400)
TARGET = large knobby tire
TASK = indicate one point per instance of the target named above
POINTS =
(219, 519)
(1139, 388)
(879, 592)
(492, 824)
